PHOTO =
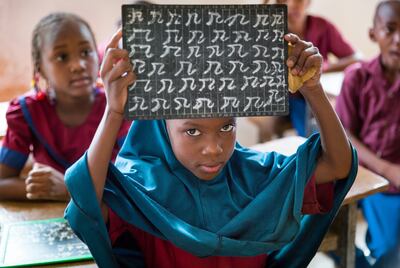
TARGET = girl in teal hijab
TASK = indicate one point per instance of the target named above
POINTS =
(187, 189)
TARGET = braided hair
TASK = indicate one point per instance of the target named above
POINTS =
(44, 26)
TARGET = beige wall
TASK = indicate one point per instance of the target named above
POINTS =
(352, 17)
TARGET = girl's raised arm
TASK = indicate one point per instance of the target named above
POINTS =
(116, 73)
(335, 160)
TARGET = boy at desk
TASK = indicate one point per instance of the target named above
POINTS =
(368, 107)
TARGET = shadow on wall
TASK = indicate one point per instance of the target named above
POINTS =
(13, 80)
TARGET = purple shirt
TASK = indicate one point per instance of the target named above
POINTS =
(369, 107)
(326, 38)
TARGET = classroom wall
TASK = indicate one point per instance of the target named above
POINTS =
(353, 18)
(18, 17)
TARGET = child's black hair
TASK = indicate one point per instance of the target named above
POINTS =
(380, 5)
(46, 24)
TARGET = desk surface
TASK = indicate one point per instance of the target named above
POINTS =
(366, 182)
(23, 211)
(332, 83)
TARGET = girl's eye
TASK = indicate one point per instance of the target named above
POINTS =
(389, 29)
(61, 57)
(193, 132)
(227, 128)
(86, 52)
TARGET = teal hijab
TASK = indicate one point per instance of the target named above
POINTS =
(252, 207)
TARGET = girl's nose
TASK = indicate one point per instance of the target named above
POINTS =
(212, 148)
(77, 65)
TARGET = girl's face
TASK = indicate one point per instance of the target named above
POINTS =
(203, 146)
(386, 32)
(297, 10)
(69, 60)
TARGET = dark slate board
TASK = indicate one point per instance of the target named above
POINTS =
(40, 242)
(206, 60)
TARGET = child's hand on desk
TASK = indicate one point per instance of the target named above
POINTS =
(392, 173)
(304, 61)
(117, 74)
(45, 183)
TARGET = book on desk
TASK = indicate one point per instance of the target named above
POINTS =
(40, 242)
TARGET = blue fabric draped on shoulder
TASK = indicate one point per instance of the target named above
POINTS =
(252, 207)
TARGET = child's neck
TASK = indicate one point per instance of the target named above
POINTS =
(391, 75)
(298, 28)
(74, 111)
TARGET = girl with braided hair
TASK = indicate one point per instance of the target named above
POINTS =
(55, 124)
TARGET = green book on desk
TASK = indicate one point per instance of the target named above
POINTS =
(40, 242)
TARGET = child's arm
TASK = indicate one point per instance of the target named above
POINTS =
(341, 63)
(45, 183)
(382, 167)
(336, 156)
(11, 186)
(116, 72)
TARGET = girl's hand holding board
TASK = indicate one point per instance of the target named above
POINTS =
(304, 62)
(117, 73)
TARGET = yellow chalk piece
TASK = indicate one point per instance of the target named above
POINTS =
(296, 82)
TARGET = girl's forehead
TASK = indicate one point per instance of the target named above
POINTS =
(58, 33)
(200, 121)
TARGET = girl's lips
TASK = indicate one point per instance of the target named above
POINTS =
(395, 53)
(210, 168)
(81, 82)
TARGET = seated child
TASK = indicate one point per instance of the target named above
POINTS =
(327, 38)
(58, 124)
(183, 193)
(369, 110)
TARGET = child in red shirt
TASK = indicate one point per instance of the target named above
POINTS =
(55, 125)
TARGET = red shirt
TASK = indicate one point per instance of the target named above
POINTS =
(368, 106)
(159, 253)
(68, 142)
(326, 38)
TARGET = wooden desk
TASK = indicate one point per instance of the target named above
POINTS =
(341, 235)
(24, 211)
(332, 83)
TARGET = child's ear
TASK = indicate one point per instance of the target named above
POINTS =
(371, 34)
